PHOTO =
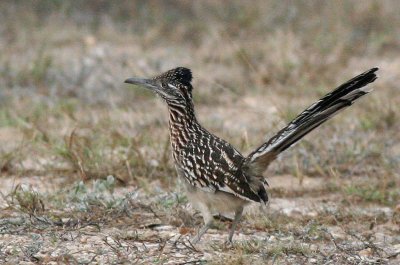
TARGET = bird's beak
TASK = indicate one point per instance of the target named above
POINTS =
(147, 83)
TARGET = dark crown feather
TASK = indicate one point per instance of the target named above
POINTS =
(180, 74)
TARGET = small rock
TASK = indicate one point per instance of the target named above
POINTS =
(115, 232)
(313, 247)
(164, 228)
(312, 260)
(365, 252)
(130, 234)
(396, 248)
(337, 232)
(41, 256)
(180, 255)
(154, 163)
(312, 214)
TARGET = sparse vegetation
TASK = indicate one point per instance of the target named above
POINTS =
(85, 167)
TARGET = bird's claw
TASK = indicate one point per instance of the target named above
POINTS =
(228, 243)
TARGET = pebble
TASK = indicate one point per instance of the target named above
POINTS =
(365, 252)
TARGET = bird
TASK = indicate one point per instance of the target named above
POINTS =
(217, 178)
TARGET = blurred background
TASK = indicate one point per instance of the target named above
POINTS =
(67, 118)
(255, 65)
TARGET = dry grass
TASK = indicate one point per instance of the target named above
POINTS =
(85, 162)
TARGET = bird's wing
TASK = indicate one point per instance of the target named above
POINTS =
(215, 166)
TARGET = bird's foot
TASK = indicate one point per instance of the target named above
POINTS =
(228, 244)
(194, 240)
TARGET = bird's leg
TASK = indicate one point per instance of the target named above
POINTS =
(201, 232)
(238, 215)
(208, 222)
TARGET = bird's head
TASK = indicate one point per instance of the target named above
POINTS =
(173, 85)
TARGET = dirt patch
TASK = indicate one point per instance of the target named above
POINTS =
(145, 229)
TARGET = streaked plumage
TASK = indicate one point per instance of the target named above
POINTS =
(217, 177)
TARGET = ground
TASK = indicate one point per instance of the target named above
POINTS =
(85, 167)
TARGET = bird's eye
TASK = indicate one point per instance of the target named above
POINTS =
(172, 86)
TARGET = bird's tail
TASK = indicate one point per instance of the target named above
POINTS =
(319, 112)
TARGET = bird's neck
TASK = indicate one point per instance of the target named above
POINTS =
(183, 125)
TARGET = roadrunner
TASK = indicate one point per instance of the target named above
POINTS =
(217, 178)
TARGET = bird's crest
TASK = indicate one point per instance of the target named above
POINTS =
(180, 75)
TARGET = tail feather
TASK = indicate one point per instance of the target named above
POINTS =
(319, 112)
